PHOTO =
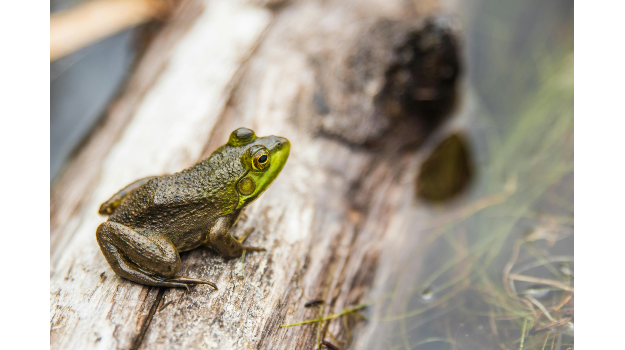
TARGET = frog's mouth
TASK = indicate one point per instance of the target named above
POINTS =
(254, 183)
(279, 151)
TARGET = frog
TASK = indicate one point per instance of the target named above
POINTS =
(152, 220)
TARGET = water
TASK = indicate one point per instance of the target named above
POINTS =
(494, 269)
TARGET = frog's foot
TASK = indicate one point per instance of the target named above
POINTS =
(184, 281)
(221, 241)
(253, 249)
(248, 248)
(127, 269)
(146, 257)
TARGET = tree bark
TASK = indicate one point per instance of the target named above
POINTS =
(332, 222)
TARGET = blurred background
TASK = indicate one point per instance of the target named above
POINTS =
(94, 45)
(496, 271)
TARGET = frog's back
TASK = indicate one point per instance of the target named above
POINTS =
(186, 201)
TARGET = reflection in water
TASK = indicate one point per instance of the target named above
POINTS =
(446, 172)
(538, 291)
(495, 270)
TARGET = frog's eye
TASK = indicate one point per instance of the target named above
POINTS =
(241, 136)
(260, 160)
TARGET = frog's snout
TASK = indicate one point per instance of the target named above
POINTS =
(281, 146)
(281, 142)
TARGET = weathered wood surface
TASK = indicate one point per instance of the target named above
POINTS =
(333, 222)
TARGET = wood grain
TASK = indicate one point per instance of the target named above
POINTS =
(331, 222)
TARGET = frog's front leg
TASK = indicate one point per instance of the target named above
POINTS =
(108, 207)
(220, 239)
(235, 217)
(146, 257)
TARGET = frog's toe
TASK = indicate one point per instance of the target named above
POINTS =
(189, 280)
(246, 234)
(254, 249)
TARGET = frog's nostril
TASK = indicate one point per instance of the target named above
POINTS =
(279, 145)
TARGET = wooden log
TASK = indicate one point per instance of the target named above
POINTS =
(333, 222)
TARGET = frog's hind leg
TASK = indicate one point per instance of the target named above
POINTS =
(108, 207)
(146, 257)
(220, 240)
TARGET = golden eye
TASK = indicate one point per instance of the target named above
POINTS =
(261, 160)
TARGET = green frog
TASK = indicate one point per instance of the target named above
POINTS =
(153, 219)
